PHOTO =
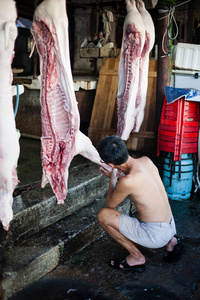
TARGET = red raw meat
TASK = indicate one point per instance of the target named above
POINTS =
(61, 138)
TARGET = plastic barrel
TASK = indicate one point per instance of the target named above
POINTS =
(177, 176)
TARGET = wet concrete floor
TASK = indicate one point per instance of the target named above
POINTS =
(87, 275)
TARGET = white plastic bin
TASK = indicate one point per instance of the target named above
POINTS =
(187, 56)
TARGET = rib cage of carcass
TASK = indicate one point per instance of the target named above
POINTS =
(60, 120)
(61, 138)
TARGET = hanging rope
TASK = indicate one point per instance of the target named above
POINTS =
(171, 22)
(17, 101)
(171, 31)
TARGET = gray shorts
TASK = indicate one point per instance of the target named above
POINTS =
(147, 234)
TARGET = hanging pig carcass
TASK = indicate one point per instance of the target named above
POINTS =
(144, 65)
(9, 144)
(61, 138)
(133, 68)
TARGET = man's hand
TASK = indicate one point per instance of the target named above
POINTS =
(112, 175)
(105, 172)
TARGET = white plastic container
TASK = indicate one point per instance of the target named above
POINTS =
(187, 56)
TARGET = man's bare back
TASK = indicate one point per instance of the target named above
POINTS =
(143, 185)
(149, 194)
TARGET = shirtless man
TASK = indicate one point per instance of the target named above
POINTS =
(154, 226)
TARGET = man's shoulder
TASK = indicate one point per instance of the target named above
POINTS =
(145, 158)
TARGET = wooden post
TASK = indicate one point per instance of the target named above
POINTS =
(162, 68)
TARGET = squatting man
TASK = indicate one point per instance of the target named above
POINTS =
(154, 226)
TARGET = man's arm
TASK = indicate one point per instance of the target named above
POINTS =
(112, 183)
(117, 193)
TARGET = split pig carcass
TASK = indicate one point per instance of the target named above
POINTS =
(137, 42)
(9, 143)
(144, 65)
(61, 138)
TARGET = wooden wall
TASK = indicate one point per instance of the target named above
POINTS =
(104, 115)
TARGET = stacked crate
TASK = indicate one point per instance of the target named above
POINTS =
(178, 139)
(178, 128)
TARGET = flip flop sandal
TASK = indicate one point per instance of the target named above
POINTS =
(115, 264)
(175, 255)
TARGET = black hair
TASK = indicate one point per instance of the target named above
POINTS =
(112, 149)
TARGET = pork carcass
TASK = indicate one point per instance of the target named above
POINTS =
(138, 40)
(129, 67)
(144, 65)
(61, 138)
(9, 143)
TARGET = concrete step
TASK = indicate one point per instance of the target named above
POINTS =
(36, 208)
(34, 257)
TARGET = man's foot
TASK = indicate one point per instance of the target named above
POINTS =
(171, 244)
(120, 264)
(175, 255)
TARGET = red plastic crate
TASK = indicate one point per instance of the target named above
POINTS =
(178, 128)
